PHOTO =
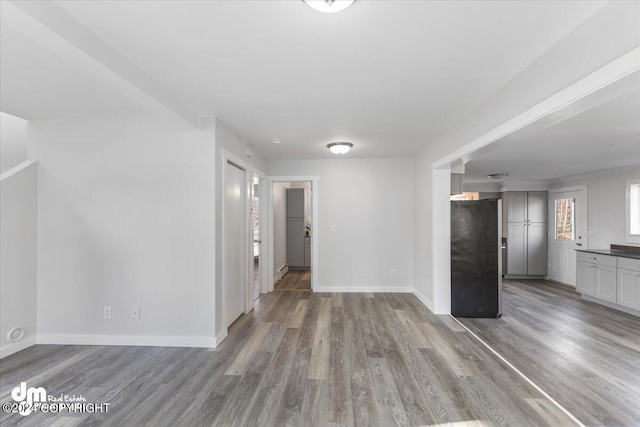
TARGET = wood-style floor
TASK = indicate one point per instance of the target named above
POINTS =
(295, 281)
(584, 355)
(299, 359)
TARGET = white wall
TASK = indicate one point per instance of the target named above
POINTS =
(13, 141)
(370, 204)
(606, 205)
(279, 227)
(226, 139)
(18, 257)
(580, 53)
(126, 210)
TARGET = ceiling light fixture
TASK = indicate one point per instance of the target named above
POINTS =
(277, 140)
(340, 147)
(329, 6)
(497, 175)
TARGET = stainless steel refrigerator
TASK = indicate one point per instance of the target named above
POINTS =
(476, 261)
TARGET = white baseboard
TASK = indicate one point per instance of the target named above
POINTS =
(611, 305)
(129, 340)
(281, 272)
(15, 347)
(364, 289)
(424, 300)
(221, 336)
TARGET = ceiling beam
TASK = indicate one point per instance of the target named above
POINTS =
(617, 78)
(50, 26)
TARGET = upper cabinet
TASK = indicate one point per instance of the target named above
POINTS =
(295, 203)
(517, 206)
(526, 206)
(537, 206)
(527, 233)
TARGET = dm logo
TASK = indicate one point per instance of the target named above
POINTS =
(29, 396)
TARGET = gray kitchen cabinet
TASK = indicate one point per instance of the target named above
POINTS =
(516, 248)
(517, 206)
(307, 251)
(295, 203)
(537, 249)
(527, 233)
(296, 229)
(295, 242)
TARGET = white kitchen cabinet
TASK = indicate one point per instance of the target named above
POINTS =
(596, 276)
(629, 288)
(611, 278)
(605, 278)
(629, 283)
(598, 281)
(527, 233)
(585, 279)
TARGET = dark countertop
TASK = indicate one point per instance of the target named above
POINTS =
(612, 252)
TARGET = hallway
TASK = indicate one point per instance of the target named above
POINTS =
(295, 281)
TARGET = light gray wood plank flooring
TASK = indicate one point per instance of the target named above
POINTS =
(584, 355)
(299, 359)
(299, 280)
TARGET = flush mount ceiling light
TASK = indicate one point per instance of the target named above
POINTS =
(340, 147)
(277, 140)
(329, 6)
(497, 175)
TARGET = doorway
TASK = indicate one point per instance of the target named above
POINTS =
(567, 232)
(293, 222)
(293, 234)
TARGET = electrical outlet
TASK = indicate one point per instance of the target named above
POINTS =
(365, 273)
(394, 273)
(332, 229)
(135, 312)
(107, 312)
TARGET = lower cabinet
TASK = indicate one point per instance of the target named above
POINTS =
(629, 288)
(596, 276)
(605, 278)
(597, 281)
(586, 278)
(609, 278)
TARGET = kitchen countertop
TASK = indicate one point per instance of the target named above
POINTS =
(611, 252)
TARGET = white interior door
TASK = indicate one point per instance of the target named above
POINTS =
(234, 235)
(567, 232)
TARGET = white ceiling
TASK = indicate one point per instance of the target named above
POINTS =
(37, 84)
(604, 137)
(386, 75)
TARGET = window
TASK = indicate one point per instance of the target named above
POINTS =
(565, 219)
(633, 211)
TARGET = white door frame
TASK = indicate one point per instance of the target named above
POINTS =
(315, 187)
(250, 171)
(582, 217)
